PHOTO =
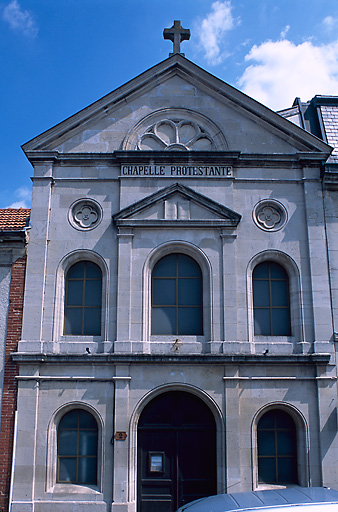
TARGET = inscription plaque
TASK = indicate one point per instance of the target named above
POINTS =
(177, 171)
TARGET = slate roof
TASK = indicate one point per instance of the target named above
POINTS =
(14, 219)
(330, 122)
(318, 116)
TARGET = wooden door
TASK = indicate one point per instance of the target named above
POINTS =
(176, 452)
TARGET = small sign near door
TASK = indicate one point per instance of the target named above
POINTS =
(121, 436)
(156, 462)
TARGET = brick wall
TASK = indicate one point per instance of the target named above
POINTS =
(14, 327)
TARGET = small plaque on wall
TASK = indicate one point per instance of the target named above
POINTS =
(121, 436)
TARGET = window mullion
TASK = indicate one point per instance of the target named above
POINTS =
(270, 300)
(176, 291)
(276, 449)
(77, 449)
(83, 296)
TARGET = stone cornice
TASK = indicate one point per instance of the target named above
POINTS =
(235, 158)
(219, 359)
(330, 176)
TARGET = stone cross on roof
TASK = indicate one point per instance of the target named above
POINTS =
(176, 34)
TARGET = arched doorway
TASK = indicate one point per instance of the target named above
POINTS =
(176, 452)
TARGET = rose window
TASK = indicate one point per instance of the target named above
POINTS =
(169, 135)
(85, 214)
(270, 215)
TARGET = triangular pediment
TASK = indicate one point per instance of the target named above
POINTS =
(176, 105)
(176, 206)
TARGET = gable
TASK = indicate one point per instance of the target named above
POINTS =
(206, 105)
(178, 206)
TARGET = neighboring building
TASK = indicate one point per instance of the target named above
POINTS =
(178, 333)
(13, 239)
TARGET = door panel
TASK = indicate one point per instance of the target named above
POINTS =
(157, 487)
(176, 452)
(196, 464)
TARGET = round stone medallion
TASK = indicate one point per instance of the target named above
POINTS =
(270, 215)
(85, 214)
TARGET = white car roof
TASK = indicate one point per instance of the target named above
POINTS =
(266, 500)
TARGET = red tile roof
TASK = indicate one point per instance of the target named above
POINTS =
(14, 219)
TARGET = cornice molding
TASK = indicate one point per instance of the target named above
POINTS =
(235, 158)
(32, 358)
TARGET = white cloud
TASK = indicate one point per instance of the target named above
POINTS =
(285, 31)
(282, 70)
(19, 19)
(23, 196)
(212, 29)
(330, 23)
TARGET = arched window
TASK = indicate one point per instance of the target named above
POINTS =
(83, 299)
(77, 448)
(271, 301)
(177, 307)
(277, 448)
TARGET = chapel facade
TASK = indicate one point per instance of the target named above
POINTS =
(178, 335)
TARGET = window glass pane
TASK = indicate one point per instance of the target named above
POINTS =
(87, 442)
(93, 271)
(282, 429)
(73, 321)
(277, 271)
(262, 322)
(164, 292)
(86, 420)
(93, 293)
(280, 322)
(76, 271)
(77, 447)
(190, 321)
(287, 470)
(267, 421)
(261, 294)
(67, 470)
(267, 470)
(284, 420)
(166, 267)
(164, 320)
(285, 442)
(87, 470)
(92, 321)
(279, 293)
(67, 442)
(266, 442)
(69, 420)
(184, 290)
(189, 292)
(261, 271)
(187, 267)
(74, 293)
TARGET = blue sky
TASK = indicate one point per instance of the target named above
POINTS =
(59, 56)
